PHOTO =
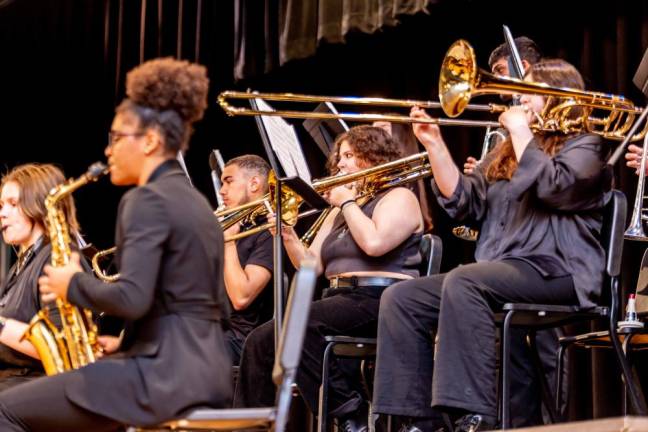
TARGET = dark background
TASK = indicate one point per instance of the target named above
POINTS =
(63, 65)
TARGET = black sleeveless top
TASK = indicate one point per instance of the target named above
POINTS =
(341, 254)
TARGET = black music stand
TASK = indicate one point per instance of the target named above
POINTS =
(324, 131)
(304, 190)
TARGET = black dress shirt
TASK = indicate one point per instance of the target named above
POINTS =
(549, 214)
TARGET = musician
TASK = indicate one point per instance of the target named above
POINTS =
(539, 197)
(361, 248)
(170, 256)
(498, 61)
(22, 215)
(248, 261)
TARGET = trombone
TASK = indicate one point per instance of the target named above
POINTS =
(374, 180)
(635, 230)
(231, 110)
(460, 80)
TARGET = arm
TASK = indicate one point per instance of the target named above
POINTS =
(145, 225)
(295, 248)
(571, 180)
(387, 228)
(244, 284)
(11, 336)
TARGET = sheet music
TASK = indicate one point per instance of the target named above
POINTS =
(285, 144)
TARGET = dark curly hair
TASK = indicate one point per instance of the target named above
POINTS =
(168, 94)
(370, 144)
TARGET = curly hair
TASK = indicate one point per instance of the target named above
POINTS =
(34, 182)
(556, 73)
(371, 144)
(169, 94)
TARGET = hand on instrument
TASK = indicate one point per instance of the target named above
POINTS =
(516, 118)
(340, 194)
(109, 344)
(56, 280)
(633, 157)
(470, 165)
(428, 134)
(233, 230)
(287, 232)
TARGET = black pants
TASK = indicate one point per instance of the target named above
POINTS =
(460, 305)
(41, 405)
(351, 312)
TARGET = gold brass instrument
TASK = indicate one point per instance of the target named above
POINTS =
(96, 265)
(75, 345)
(461, 79)
(231, 110)
(635, 230)
(374, 180)
(465, 232)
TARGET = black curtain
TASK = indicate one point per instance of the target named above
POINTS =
(64, 63)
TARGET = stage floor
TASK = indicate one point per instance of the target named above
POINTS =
(614, 424)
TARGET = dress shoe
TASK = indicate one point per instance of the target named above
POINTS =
(472, 423)
(357, 421)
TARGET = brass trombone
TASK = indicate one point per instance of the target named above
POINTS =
(231, 110)
(460, 80)
(374, 180)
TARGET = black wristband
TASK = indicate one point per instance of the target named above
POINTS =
(349, 201)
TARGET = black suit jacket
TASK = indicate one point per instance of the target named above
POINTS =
(171, 290)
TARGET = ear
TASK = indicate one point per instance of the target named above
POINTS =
(526, 65)
(254, 183)
(153, 142)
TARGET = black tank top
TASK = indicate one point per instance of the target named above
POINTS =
(341, 254)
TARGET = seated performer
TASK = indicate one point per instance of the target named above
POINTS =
(248, 261)
(361, 248)
(539, 197)
(22, 214)
(170, 257)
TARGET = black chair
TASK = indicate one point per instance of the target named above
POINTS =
(284, 371)
(633, 339)
(431, 250)
(534, 317)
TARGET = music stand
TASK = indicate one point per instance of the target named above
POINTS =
(640, 79)
(304, 190)
(324, 131)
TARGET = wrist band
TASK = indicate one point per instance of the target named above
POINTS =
(349, 201)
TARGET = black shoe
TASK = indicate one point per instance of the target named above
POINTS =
(353, 425)
(472, 423)
(414, 428)
(357, 421)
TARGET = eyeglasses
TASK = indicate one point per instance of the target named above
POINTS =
(115, 136)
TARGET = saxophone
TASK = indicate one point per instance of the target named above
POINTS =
(75, 345)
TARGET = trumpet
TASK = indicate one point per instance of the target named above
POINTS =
(460, 80)
(231, 110)
(374, 180)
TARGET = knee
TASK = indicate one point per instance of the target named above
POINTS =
(395, 300)
(459, 286)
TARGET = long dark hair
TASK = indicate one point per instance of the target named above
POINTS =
(556, 73)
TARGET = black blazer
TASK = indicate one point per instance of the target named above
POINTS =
(171, 291)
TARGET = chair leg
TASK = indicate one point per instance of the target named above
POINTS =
(323, 393)
(504, 366)
(560, 355)
(541, 376)
(634, 391)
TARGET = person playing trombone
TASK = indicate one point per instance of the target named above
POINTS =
(539, 197)
(362, 247)
(248, 261)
